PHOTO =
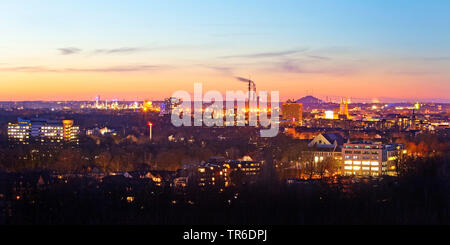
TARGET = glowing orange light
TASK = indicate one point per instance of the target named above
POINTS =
(150, 124)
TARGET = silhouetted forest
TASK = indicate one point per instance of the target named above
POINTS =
(420, 196)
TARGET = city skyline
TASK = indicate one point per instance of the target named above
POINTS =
(374, 50)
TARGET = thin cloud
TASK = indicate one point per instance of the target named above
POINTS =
(27, 69)
(117, 69)
(124, 50)
(135, 68)
(290, 66)
(69, 50)
(226, 70)
(265, 55)
(411, 73)
(317, 57)
(337, 50)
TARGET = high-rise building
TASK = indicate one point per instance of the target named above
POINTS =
(19, 132)
(70, 131)
(43, 131)
(292, 113)
(370, 159)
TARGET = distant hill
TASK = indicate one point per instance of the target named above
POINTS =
(309, 100)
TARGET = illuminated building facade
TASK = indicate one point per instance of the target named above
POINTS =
(292, 113)
(329, 115)
(343, 112)
(70, 131)
(216, 172)
(325, 147)
(213, 174)
(19, 132)
(371, 159)
(43, 131)
(248, 168)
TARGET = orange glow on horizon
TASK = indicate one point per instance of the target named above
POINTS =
(17, 86)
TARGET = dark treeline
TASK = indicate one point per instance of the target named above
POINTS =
(420, 196)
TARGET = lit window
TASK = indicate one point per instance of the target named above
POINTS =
(356, 167)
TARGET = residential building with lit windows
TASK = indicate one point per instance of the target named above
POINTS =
(217, 172)
(43, 131)
(367, 158)
(213, 174)
(248, 168)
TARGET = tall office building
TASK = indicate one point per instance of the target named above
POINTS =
(70, 131)
(43, 131)
(292, 113)
(19, 132)
(370, 159)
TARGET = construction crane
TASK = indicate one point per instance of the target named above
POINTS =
(251, 86)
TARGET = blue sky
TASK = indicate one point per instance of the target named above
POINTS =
(394, 36)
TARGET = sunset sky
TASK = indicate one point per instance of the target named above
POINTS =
(76, 50)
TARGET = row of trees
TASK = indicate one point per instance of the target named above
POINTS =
(427, 144)
(419, 197)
